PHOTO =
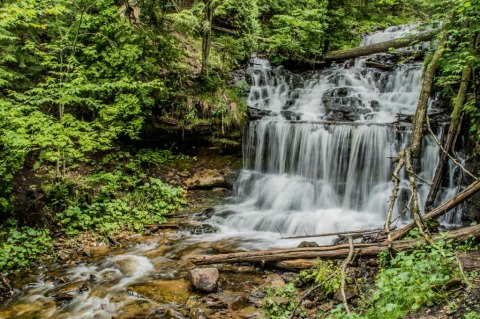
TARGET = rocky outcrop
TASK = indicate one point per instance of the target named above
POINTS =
(207, 179)
(257, 114)
(342, 105)
(204, 279)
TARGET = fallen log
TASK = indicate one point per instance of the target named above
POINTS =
(380, 47)
(468, 192)
(354, 233)
(328, 252)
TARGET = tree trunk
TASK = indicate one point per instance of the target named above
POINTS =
(328, 252)
(449, 144)
(419, 119)
(207, 35)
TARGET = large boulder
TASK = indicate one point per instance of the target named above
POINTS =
(206, 179)
(204, 279)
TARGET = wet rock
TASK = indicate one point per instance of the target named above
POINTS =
(163, 290)
(341, 104)
(206, 179)
(274, 281)
(197, 228)
(216, 304)
(197, 313)
(69, 291)
(172, 314)
(204, 279)
(256, 113)
(375, 105)
(166, 313)
(250, 313)
(326, 306)
(291, 116)
(350, 292)
(305, 244)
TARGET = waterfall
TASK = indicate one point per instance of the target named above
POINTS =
(321, 158)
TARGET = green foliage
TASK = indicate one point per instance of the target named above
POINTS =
(121, 198)
(279, 303)
(300, 34)
(409, 281)
(472, 315)
(326, 273)
(21, 246)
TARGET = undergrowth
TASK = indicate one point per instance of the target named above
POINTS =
(405, 282)
(21, 246)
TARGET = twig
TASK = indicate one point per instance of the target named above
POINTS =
(460, 267)
(447, 153)
(422, 179)
(309, 291)
(345, 264)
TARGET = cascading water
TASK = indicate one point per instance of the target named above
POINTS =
(319, 158)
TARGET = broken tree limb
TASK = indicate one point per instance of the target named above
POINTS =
(353, 233)
(393, 197)
(343, 270)
(450, 141)
(449, 155)
(426, 91)
(413, 189)
(380, 47)
(328, 252)
(468, 192)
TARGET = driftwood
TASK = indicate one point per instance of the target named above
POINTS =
(450, 141)
(468, 192)
(327, 252)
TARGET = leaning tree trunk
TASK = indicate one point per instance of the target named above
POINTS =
(207, 35)
(450, 141)
(426, 91)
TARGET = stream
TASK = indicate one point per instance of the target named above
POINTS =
(317, 159)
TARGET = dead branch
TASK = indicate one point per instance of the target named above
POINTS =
(413, 189)
(393, 197)
(447, 154)
(309, 292)
(345, 264)
(354, 233)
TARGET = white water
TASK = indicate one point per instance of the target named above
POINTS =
(318, 165)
